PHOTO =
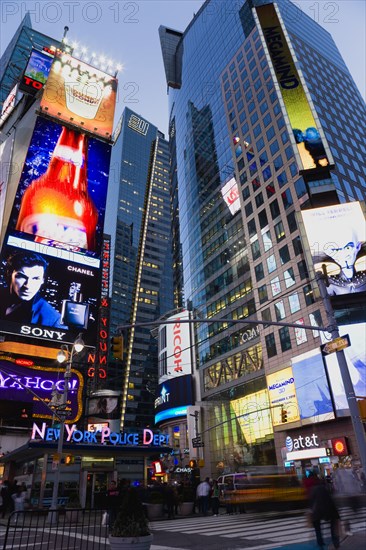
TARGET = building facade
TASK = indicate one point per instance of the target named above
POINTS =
(241, 183)
(139, 220)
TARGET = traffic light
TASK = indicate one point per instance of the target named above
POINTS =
(117, 347)
(283, 416)
(192, 463)
(69, 459)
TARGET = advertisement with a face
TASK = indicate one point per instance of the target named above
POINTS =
(253, 416)
(50, 297)
(61, 196)
(81, 95)
(36, 72)
(356, 361)
(282, 396)
(337, 240)
(308, 135)
(17, 381)
(312, 389)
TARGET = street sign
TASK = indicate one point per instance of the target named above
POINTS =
(197, 442)
(337, 344)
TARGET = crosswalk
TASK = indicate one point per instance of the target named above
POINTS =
(270, 530)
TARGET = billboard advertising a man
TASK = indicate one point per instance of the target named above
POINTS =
(80, 94)
(313, 152)
(337, 240)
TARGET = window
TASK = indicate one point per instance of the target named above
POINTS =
(300, 333)
(275, 286)
(251, 228)
(259, 200)
(270, 133)
(271, 263)
(282, 179)
(294, 302)
(266, 314)
(278, 162)
(248, 209)
(266, 121)
(263, 220)
(275, 209)
(271, 345)
(279, 231)
(259, 272)
(284, 254)
(274, 147)
(287, 199)
(285, 338)
(289, 277)
(256, 251)
(315, 321)
(296, 243)
(291, 221)
(280, 310)
(267, 173)
(260, 144)
(267, 241)
(308, 294)
(263, 294)
(303, 270)
(300, 188)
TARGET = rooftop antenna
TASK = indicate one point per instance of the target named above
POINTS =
(66, 30)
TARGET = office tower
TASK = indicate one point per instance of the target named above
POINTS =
(244, 170)
(16, 55)
(139, 220)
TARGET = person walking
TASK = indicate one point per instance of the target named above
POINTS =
(113, 502)
(7, 501)
(215, 498)
(323, 508)
(203, 495)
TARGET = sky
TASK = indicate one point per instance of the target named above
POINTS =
(127, 32)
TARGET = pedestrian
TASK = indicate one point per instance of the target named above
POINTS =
(7, 502)
(113, 502)
(215, 498)
(170, 500)
(203, 495)
(323, 507)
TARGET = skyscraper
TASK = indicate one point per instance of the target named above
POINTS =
(139, 220)
(244, 169)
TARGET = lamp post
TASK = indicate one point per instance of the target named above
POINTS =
(62, 356)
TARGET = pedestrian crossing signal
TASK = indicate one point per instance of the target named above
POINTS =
(69, 459)
(283, 416)
(117, 347)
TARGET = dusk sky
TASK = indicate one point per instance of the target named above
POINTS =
(127, 32)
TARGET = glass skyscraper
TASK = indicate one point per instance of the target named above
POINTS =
(228, 124)
(139, 221)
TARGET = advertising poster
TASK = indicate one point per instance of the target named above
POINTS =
(282, 396)
(36, 72)
(337, 239)
(309, 141)
(356, 361)
(61, 196)
(6, 149)
(253, 416)
(230, 194)
(174, 396)
(45, 296)
(9, 104)
(80, 94)
(175, 347)
(312, 389)
(14, 379)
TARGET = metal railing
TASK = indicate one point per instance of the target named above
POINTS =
(65, 529)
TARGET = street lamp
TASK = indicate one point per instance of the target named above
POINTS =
(63, 355)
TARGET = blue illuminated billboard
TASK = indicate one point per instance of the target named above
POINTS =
(174, 396)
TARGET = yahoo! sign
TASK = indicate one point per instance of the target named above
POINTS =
(104, 436)
(35, 385)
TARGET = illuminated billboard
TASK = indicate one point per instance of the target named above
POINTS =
(36, 72)
(81, 95)
(337, 240)
(356, 361)
(174, 395)
(282, 396)
(230, 194)
(175, 347)
(253, 416)
(61, 196)
(308, 135)
(15, 379)
(6, 150)
(312, 388)
(45, 296)
(9, 104)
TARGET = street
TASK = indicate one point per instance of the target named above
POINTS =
(265, 531)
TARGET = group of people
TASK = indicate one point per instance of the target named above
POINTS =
(12, 498)
(208, 496)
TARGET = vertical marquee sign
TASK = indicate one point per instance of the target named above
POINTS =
(312, 148)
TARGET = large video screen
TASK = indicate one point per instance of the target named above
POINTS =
(80, 94)
(337, 242)
(36, 72)
(306, 130)
(61, 196)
